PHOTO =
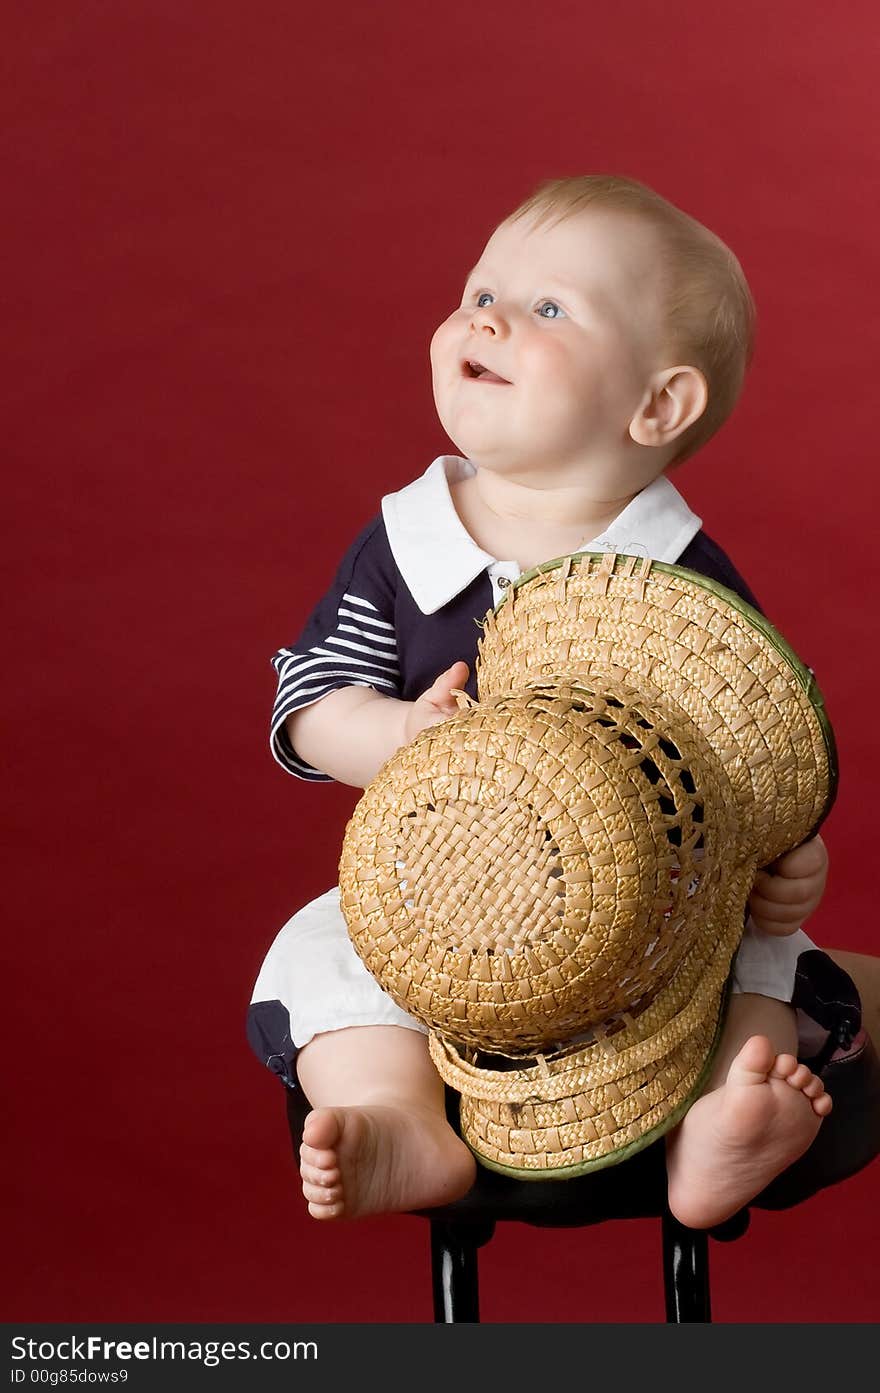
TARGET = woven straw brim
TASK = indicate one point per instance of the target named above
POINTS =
(457, 857)
(531, 868)
(595, 1104)
(719, 660)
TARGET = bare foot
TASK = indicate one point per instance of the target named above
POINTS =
(734, 1140)
(381, 1160)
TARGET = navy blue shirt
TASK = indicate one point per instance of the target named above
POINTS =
(369, 629)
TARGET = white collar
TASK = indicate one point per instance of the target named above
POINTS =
(438, 558)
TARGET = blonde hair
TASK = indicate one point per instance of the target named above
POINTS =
(706, 303)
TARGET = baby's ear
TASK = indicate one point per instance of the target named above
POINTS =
(676, 398)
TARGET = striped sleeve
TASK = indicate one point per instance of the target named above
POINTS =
(348, 641)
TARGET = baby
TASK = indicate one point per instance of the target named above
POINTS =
(601, 339)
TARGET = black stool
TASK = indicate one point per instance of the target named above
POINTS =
(845, 1143)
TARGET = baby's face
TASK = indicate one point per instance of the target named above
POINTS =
(547, 360)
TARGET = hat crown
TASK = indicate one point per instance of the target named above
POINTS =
(543, 862)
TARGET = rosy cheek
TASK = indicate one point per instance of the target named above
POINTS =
(542, 358)
(441, 340)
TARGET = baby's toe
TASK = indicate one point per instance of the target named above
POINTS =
(814, 1087)
(316, 1175)
(800, 1076)
(326, 1211)
(320, 1159)
(785, 1065)
(321, 1194)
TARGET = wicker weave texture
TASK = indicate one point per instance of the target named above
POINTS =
(614, 1091)
(537, 864)
(618, 615)
(554, 880)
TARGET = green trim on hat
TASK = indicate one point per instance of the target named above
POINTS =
(805, 677)
(622, 1153)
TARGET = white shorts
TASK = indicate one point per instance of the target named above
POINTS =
(313, 970)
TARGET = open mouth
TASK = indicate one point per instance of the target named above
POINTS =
(480, 373)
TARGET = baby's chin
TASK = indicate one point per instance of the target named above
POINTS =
(494, 451)
(481, 446)
(476, 431)
(523, 468)
(493, 461)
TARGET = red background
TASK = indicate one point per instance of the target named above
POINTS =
(232, 230)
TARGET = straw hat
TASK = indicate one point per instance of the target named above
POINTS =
(554, 880)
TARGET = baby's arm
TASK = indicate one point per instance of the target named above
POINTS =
(779, 903)
(350, 733)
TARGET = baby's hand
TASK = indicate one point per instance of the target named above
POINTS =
(436, 704)
(779, 903)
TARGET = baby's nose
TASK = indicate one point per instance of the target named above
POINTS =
(487, 320)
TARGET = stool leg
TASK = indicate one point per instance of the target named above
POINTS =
(685, 1272)
(454, 1270)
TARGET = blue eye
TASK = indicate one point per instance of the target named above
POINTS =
(484, 299)
(548, 309)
